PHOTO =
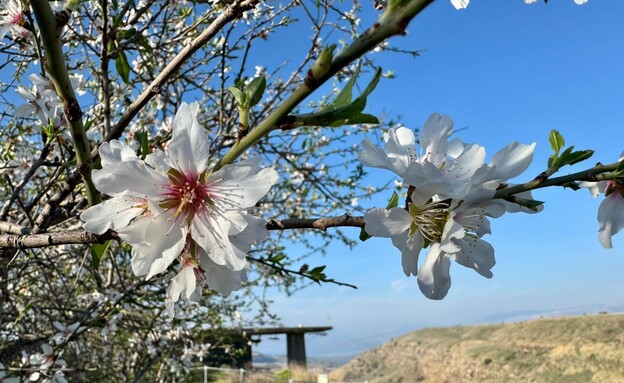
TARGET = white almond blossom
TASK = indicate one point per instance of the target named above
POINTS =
(611, 210)
(170, 206)
(450, 197)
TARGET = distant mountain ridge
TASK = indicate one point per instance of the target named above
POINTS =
(579, 349)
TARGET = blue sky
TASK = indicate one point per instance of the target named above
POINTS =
(505, 71)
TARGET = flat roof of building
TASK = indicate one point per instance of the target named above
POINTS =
(282, 330)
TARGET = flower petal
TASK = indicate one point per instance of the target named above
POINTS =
(460, 4)
(434, 279)
(129, 178)
(476, 254)
(189, 149)
(114, 214)
(511, 161)
(452, 230)
(410, 253)
(165, 238)
(221, 278)
(211, 234)
(254, 232)
(400, 147)
(184, 282)
(386, 223)
(116, 151)
(595, 188)
(241, 186)
(434, 138)
(610, 217)
(374, 156)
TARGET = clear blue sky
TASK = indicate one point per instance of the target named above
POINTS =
(506, 71)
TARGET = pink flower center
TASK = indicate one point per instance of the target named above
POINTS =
(17, 19)
(187, 194)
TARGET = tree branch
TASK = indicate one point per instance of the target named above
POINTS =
(232, 12)
(83, 237)
(393, 22)
(55, 65)
(599, 172)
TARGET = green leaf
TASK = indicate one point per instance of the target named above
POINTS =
(317, 273)
(277, 258)
(373, 84)
(240, 97)
(529, 203)
(394, 201)
(556, 141)
(346, 94)
(123, 68)
(343, 111)
(142, 41)
(97, 252)
(255, 90)
(142, 138)
(355, 120)
(576, 157)
(126, 34)
(364, 235)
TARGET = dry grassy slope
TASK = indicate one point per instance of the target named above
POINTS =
(578, 349)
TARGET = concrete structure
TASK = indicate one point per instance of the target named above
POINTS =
(295, 343)
(295, 340)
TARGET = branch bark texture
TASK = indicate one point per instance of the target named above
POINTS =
(83, 237)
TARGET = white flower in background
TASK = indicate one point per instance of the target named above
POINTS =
(42, 100)
(611, 210)
(45, 359)
(11, 17)
(65, 332)
(460, 4)
(111, 325)
(171, 206)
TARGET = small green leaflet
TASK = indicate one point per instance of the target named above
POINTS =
(343, 110)
(255, 90)
(317, 273)
(556, 141)
(568, 157)
(240, 97)
(97, 252)
(142, 137)
(123, 68)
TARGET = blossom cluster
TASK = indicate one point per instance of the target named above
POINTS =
(171, 206)
(449, 200)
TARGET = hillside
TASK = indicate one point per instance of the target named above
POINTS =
(578, 349)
